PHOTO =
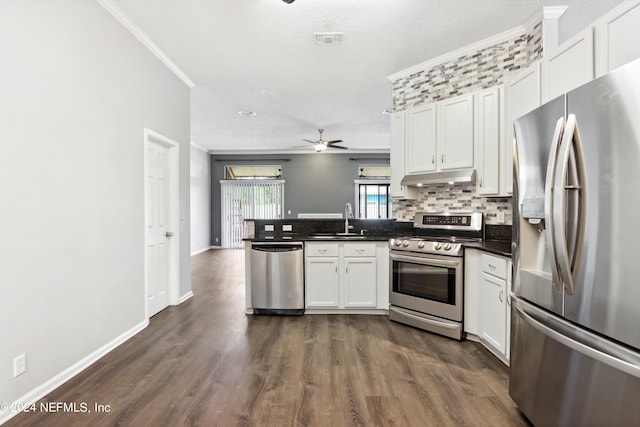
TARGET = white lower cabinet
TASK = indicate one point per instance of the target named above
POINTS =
(360, 282)
(487, 318)
(493, 323)
(321, 282)
(346, 275)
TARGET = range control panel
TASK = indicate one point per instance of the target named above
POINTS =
(464, 220)
(449, 221)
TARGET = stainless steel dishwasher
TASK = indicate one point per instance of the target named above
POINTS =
(277, 278)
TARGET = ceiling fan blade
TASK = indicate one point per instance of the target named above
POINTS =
(313, 142)
(335, 141)
(338, 146)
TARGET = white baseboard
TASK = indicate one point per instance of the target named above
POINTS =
(185, 297)
(203, 250)
(41, 391)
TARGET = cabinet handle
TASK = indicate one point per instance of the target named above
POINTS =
(491, 266)
(501, 296)
(442, 158)
(322, 251)
(346, 270)
(336, 268)
(433, 159)
(359, 251)
(480, 181)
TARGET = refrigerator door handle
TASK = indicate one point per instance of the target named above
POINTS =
(587, 344)
(548, 202)
(568, 212)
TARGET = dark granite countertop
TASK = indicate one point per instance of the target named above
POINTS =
(494, 246)
(497, 237)
(303, 238)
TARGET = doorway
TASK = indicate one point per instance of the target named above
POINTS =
(162, 237)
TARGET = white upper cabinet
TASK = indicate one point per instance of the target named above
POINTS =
(397, 159)
(618, 37)
(421, 139)
(488, 126)
(455, 133)
(522, 95)
(570, 66)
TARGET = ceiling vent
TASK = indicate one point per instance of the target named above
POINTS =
(328, 38)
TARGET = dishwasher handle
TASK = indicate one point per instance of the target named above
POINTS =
(276, 248)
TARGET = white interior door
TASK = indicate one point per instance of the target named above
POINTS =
(157, 240)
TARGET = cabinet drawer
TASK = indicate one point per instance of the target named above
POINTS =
(359, 249)
(495, 266)
(322, 249)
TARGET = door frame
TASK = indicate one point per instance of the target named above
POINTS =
(173, 166)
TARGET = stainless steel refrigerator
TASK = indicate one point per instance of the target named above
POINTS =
(575, 331)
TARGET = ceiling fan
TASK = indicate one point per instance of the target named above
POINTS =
(321, 145)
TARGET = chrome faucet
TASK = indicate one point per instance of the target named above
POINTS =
(348, 213)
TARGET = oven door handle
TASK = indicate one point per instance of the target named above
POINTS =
(436, 262)
(423, 319)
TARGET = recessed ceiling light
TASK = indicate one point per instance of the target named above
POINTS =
(247, 113)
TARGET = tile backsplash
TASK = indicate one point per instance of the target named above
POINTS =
(457, 198)
(482, 69)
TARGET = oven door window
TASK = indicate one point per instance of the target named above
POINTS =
(425, 281)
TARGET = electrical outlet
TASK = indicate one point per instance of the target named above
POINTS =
(19, 364)
(500, 217)
(216, 240)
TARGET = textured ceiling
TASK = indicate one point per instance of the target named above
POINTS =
(260, 55)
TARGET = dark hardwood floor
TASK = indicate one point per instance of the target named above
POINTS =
(207, 363)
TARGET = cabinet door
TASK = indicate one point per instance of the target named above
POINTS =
(493, 312)
(321, 283)
(397, 157)
(420, 147)
(570, 66)
(617, 35)
(360, 287)
(522, 95)
(488, 130)
(455, 133)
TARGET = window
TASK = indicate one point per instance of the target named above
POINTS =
(253, 172)
(372, 191)
(249, 192)
(372, 198)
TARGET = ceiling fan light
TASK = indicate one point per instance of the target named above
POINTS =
(320, 148)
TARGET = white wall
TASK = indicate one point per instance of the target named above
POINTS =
(76, 92)
(200, 200)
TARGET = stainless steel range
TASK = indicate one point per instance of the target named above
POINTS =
(427, 271)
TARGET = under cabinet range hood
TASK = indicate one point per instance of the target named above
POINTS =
(451, 177)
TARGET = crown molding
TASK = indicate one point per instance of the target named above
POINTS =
(547, 12)
(455, 54)
(199, 147)
(553, 12)
(143, 38)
